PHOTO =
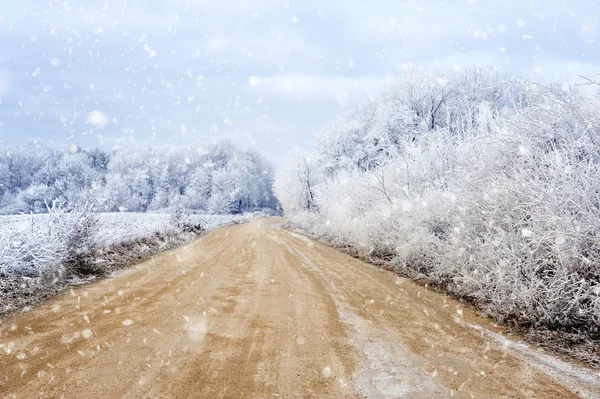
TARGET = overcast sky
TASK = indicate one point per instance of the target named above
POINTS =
(266, 73)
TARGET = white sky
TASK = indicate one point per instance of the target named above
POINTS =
(264, 73)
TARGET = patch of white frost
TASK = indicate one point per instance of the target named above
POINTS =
(387, 369)
(578, 379)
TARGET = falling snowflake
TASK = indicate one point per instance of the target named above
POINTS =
(98, 119)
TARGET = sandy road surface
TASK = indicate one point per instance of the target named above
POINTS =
(253, 311)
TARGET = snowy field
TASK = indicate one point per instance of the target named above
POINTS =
(36, 245)
(117, 227)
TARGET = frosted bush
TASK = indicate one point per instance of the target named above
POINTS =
(49, 245)
(501, 206)
(65, 239)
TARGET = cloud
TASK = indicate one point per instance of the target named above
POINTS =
(557, 70)
(116, 16)
(4, 83)
(589, 25)
(340, 89)
(201, 63)
(216, 43)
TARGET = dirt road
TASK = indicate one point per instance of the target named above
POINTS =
(253, 311)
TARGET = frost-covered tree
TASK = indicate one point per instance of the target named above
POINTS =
(486, 186)
(199, 190)
(129, 185)
(217, 178)
(295, 182)
(458, 103)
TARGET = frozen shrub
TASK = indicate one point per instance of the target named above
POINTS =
(497, 200)
(48, 246)
(80, 224)
(180, 219)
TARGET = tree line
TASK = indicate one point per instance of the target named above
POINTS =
(216, 179)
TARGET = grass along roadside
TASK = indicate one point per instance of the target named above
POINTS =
(573, 346)
(44, 255)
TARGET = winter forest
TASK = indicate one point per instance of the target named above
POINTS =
(217, 179)
(81, 213)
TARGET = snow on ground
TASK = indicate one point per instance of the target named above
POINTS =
(34, 245)
(582, 380)
(118, 227)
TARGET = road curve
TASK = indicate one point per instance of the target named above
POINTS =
(254, 311)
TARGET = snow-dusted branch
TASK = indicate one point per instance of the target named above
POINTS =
(489, 189)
